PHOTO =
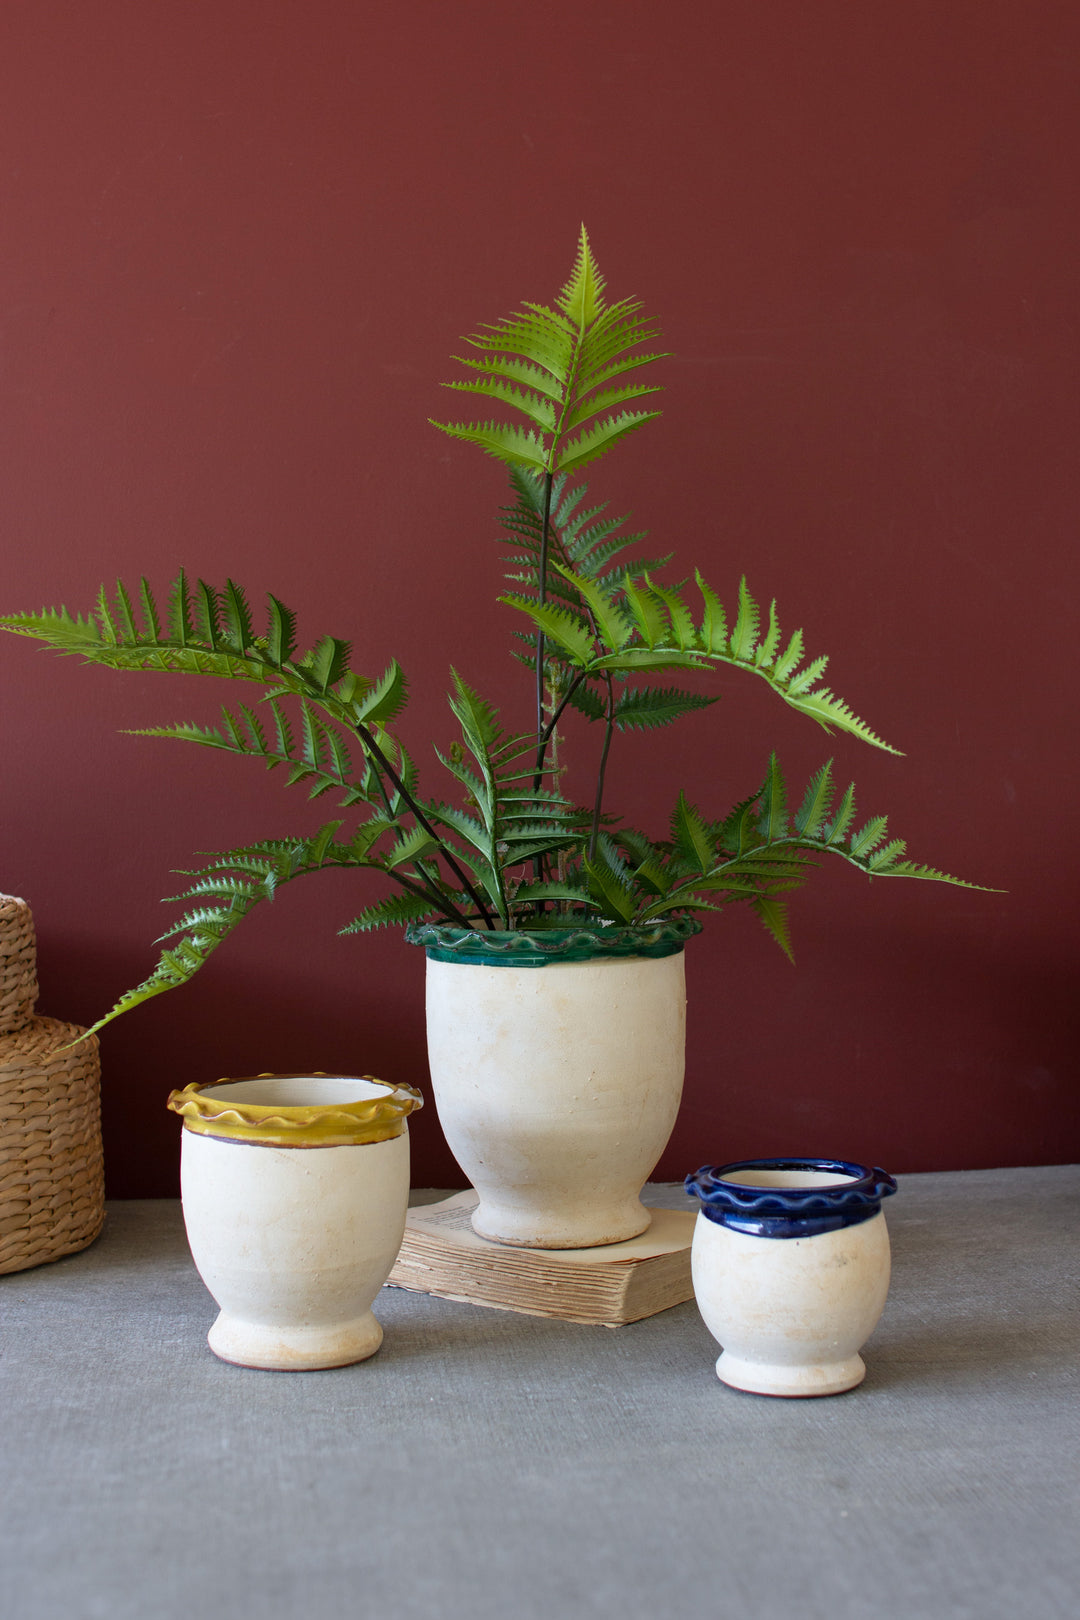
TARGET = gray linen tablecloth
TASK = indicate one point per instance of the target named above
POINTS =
(488, 1464)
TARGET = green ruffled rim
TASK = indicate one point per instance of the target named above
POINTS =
(523, 947)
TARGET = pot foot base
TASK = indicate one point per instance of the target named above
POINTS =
(294, 1349)
(527, 1229)
(820, 1378)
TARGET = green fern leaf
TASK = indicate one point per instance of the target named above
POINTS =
(615, 628)
(397, 909)
(281, 641)
(513, 445)
(124, 612)
(642, 658)
(806, 677)
(791, 658)
(607, 400)
(385, 700)
(600, 438)
(582, 298)
(608, 885)
(870, 835)
(180, 626)
(530, 894)
(237, 616)
(109, 632)
(772, 816)
(829, 711)
(682, 624)
(744, 635)
(643, 708)
(714, 638)
(539, 410)
(816, 804)
(691, 835)
(566, 630)
(887, 857)
(327, 662)
(837, 830)
(207, 614)
(774, 917)
(648, 610)
(533, 378)
(588, 702)
(151, 623)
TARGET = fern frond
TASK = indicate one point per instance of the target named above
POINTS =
(565, 629)
(644, 708)
(663, 622)
(539, 410)
(529, 894)
(554, 367)
(582, 298)
(816, 804)
(513, 445)
(691, 836)
(609, 883)
(600, 438)
(774, 917)
(396, 909)
(614, 627)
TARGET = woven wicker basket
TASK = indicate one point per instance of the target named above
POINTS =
(18, 964)
(52, 1181)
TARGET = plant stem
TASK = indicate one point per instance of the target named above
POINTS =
(609, 727)
(541, 740)
(430, 892)
(369, 742)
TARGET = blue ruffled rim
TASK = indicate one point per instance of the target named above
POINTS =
(523, 947)
(790, 1212)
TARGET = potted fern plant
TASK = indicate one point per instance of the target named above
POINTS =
(554, 931)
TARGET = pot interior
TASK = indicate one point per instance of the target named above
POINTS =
(296, 1091)
(788, 1178)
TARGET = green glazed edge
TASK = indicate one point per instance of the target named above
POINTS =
(523, 947)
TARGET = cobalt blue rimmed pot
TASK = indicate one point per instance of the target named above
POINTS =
(790, 1265)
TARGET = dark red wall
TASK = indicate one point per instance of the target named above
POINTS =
(240, 241)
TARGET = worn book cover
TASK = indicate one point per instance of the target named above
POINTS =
(611, 1285)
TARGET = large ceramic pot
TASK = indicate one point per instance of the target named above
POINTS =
(557, 1060)
(790, 1263)
(295, 1189)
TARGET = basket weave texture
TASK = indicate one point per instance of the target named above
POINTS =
(18, 964)
(52, 1181)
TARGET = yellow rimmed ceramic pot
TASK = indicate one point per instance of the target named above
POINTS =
(295, 1188)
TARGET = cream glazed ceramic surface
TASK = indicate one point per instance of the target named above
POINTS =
(295, 1242)
(794, 1294)
(557, 1088)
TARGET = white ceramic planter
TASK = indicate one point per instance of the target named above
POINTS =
(790, 1264)
(557, 1084)
(295, 1189)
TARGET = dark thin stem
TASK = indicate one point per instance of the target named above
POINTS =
(376, 752)
(430, 892)
(541, 740)
(545, 533)
(430, 888)
(609, 727)
(548, 731)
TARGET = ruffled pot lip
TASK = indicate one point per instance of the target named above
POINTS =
(535, 947)
(369, 1119)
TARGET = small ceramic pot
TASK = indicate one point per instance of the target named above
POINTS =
(295, 1190)
(790, 1264)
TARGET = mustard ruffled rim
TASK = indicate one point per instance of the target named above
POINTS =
(372, 1119)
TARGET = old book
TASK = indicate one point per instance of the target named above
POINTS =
(612, 1285)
